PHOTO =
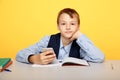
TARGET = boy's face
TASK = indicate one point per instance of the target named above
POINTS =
(67, 25)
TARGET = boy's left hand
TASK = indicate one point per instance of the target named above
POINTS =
(76, 35)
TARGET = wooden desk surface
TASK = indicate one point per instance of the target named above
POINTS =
(109, 70)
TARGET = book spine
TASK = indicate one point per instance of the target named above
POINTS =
(4, 61)
(7, 65)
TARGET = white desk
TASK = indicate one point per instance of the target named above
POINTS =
(109, 70)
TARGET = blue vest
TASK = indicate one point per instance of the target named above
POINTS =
(54, 42)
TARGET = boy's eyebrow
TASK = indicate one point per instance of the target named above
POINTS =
(73, 21)
(70, 21)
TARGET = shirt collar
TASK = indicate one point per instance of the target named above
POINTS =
(67, 48)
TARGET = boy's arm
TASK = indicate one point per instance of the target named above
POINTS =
(88, 50)
(22, 56)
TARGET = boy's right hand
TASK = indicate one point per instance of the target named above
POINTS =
(43, 58)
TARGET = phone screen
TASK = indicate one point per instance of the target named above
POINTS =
(46, 49)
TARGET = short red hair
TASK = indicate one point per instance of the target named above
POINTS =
(70, 12)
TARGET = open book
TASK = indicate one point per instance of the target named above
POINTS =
(69, 61)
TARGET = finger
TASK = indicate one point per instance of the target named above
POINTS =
(47, 61)
(50, 56)
(43, 56)
(49, 53)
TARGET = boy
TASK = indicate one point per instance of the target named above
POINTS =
(69, 42)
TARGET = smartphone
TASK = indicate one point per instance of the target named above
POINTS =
(46, 49)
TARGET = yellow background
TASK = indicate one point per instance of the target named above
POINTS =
(25, 22)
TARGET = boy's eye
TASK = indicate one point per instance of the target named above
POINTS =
(72, 23)
(62, 23)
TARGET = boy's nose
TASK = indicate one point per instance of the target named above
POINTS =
(67, 26)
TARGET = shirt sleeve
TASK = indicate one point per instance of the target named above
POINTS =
(88, 50)
(22, 56)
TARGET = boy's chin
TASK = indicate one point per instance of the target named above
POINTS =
(68, 37)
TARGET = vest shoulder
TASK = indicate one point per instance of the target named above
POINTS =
(55, 34)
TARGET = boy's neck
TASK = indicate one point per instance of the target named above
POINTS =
(65, 41)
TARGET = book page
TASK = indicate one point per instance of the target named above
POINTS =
(71, 60)
(48, 65)
(53, 64)
(67, 60)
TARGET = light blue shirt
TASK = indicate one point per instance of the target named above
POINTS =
(88, 50)
(63, 50)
